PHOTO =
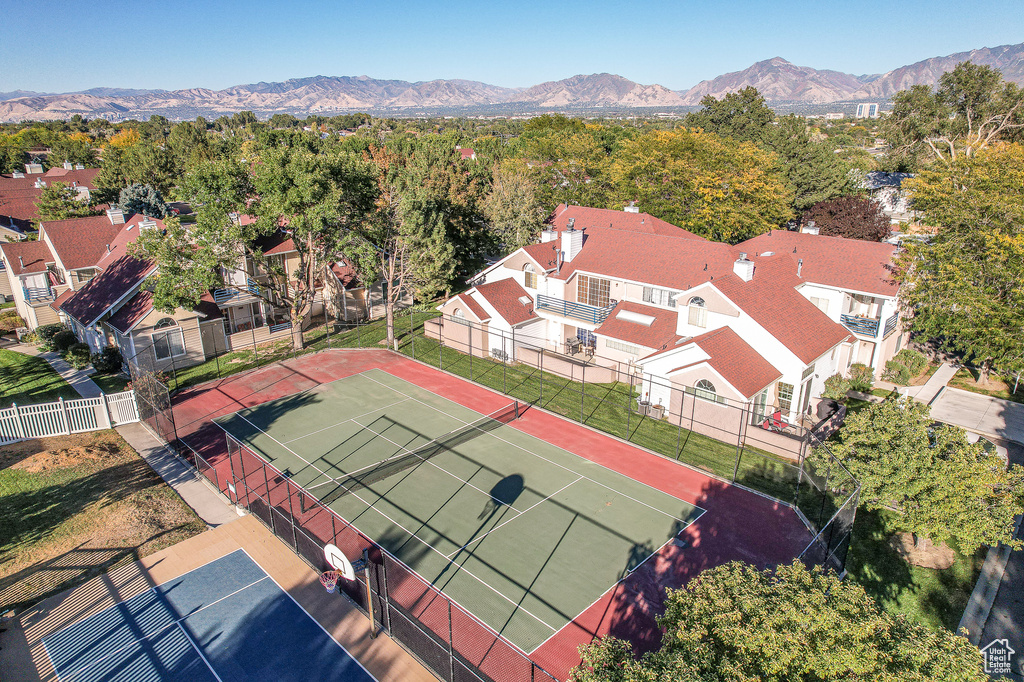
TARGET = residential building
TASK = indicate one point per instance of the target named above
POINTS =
(886, 189)
(867, 110)
(761, 324)
(19, 192)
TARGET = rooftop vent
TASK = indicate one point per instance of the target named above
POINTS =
(572, 223)
(635, 318)
(548, 236)
(146, 224)
(17, 174)
(525, 300)
(744, 268)
(810, 228)
(68, 165)
(79, 166)
(108, 248)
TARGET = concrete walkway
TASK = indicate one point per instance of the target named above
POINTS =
(211, 506)
(926, 393)
(78, 379)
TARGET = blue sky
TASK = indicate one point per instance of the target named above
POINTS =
(61, 46)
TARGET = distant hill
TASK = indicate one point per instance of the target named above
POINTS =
(781, 83)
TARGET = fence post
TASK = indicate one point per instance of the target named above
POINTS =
(504, 364)
(739, 444)
(106, 409)
(583, 392)
(540, 398)
(451, 645)
(216, 353)
(18, 423)
(412, 335)
(255, 352)
(470, 328)
(679, 429)
(440, 349)
(629, 407)
(64, 416)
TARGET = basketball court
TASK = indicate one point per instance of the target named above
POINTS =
(521, 533)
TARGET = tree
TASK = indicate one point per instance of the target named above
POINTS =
(59, 201)
(74, 148)
(742, 115)
(970, 110)
(851, 217)
(142, 199)
(128, 160)
(963, 286)
(945, 487)
(735, 623)
(317, 194)
(713, 186)
(512, 207)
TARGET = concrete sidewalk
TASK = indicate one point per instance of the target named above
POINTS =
(211, 506)
(926, 393)
(78, 379)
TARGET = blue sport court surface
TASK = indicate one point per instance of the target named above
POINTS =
(224, 621)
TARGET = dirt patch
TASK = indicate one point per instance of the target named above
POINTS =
(41, 454)
(928, 555)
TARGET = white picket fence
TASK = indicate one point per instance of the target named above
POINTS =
(65, 417)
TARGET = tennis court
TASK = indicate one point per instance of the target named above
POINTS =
(522, 534)
(224, 621)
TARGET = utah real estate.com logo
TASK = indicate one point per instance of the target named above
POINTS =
(998, 655)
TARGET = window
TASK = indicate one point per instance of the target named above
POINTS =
(660, 296)
(530, 276)
(820, 303)
(593, 291)
(784, 396)
(698, 313)
(620, 346)
(586, 337)
(459, 317)
(168, 341)
(705, 390)
(807, 372)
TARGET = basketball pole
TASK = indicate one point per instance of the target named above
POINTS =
(369, 594)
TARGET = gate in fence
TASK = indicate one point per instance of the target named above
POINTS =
(446, 638)
(64, 417)
(152, 395)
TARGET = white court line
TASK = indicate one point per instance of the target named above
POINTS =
(481, 537)
(560, 466)
(75, 672)
(407, 531)
(198, 650)
(431, 463)
(352, 419)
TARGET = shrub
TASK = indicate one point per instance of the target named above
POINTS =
(46, 333)
(62, 340)
(861, 377)
(836, 387)
(915, 362)
(896, 372)
(107, 360)
(10, 320)
(77, 355)
(30, 337)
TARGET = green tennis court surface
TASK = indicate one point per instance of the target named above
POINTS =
(521, 533)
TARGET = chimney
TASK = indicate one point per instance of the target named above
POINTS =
(632, 208)
(548, 235)
(79, 166)
(31, 168)
(116, 216)
(799, 266)
(810, 228)
(744, 268)
(571, 224)
(21, 262)
(68, 165)
(17, 174)
(572, 243)
(108, 248)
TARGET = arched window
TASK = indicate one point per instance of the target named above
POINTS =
(706, 390)
(530, 276)
(168, 341)
(459, 316)
(698, 313)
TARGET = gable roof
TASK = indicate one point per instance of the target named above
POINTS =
(852, 264)
(771, 299)
(346, 275)
(474, 307)
(279, 242)
(736, 360)
(107, 288)
(81, 242)
(658, 335)
(132, 312)
(504, 296)
(35, 255)
(642, 223)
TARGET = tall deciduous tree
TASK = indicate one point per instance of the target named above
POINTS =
(964, 285)
(945, 487)
(713, 186)
(513, 207)
(971, 109)
(59, 201)
(735, 623)
(852, 217)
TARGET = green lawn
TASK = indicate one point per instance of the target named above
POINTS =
(25, 380)
(6, 304)
(998, 387)
(111, 383)
(932, 597)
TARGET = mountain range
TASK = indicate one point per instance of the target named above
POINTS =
(782, 83)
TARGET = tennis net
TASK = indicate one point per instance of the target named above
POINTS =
(364, 478)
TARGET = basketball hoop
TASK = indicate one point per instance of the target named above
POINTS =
(329, 579)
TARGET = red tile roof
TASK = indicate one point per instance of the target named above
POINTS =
(504, 296)
(545, 253)
(737, 361)
(474, 307)
(132, 312)
(772, 300)
(346, 275)
(643, 223)
(35, 255)
(80, 242)
(19, 208)
(279, 242)
(106, 288)
(208, 308)
(658, 335)
(467, 153)
(62, 299)
(119, 245)
(852, 264)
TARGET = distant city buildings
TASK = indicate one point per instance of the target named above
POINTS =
(867, 110)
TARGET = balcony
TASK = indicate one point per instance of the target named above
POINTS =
(37, 294)
(865, 326)
(251, 290)
(890, 325)
(577, 311)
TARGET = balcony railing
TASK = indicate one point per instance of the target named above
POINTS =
(577, 311)
(274, 328)
(252, 288)
(890, 325)
(865, 326)
(37, 294)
